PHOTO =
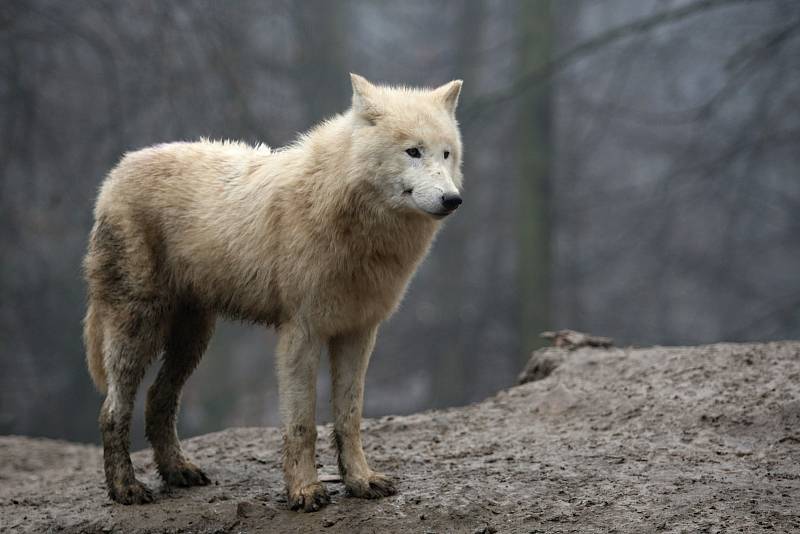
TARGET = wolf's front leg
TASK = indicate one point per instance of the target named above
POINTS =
(349, 358)
(297, 358)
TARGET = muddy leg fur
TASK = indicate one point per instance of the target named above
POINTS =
(297, 360)
(187, 338)
(349, 358)
(127, 352)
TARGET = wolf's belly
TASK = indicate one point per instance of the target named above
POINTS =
(247, 295)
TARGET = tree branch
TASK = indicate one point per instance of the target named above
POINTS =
(593, 45)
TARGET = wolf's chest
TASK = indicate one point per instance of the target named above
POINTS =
(363, 289)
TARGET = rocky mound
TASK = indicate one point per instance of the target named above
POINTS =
(701, 439)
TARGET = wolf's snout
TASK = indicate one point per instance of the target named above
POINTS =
(451, 201)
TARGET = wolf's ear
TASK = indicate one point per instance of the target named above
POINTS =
(363, 102)
(447, 94)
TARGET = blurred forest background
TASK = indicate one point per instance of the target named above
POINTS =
(632, 169)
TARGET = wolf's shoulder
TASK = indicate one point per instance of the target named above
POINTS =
(231, 144)
(199, 148)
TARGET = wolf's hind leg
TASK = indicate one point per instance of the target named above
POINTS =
(298, 359)
(349, 358)
(188, 335)
(126, 355)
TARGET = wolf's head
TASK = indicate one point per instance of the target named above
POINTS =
(410, 141)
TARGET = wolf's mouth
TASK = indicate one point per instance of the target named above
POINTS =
(438, 215)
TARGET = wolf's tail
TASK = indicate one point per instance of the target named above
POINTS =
(93, 341)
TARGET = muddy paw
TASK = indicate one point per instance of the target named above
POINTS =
(132, 493)
(309, 498)
(185, 475)
(375, 486)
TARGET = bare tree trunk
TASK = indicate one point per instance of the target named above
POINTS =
(321, 73)
(534, 168)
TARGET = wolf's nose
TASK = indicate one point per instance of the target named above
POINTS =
(451, 201)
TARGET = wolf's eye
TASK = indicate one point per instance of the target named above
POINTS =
(446, 154)
(414, 152)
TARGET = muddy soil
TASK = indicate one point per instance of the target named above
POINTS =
(701, 439)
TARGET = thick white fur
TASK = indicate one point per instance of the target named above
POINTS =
(319, 238)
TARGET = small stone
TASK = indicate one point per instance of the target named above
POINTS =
(245, 509)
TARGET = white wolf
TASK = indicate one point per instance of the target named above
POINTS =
(318, 239)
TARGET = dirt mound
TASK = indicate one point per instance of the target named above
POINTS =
(701, 439)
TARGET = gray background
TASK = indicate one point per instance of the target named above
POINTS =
(631, 170)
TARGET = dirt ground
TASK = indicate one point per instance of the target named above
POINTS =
(700, 439)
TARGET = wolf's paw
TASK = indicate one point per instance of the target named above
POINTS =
(130, 493)
(309, 498)
(375, 486)
(184, 475)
